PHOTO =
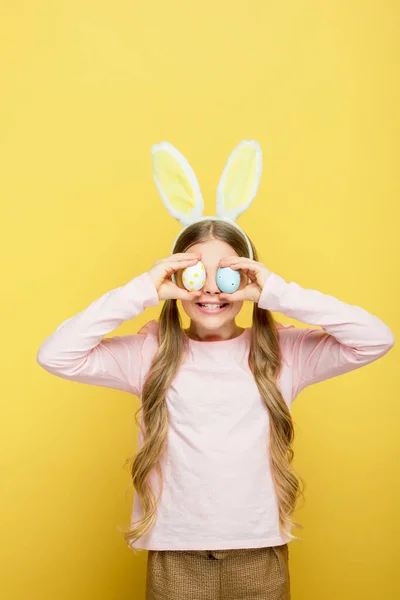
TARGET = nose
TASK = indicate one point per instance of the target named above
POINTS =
(210, 286)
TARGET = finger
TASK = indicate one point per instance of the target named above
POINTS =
(234, 297)
(241, 264)
(250, 274)
(177, 265)
(240, 295)
(184, 255)
(233, 260)
(246, 271)
(186, 295)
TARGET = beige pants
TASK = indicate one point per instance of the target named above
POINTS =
(239, 574)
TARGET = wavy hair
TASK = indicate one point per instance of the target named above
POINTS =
(265, 362)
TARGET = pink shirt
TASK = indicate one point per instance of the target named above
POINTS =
(218, 491)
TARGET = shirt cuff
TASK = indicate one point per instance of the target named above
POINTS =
(272, 292)
(143, 288)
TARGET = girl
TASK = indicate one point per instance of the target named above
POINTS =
(215, 488)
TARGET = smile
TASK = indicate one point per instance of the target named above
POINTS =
(211, 308)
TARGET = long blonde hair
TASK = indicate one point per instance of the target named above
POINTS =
(265, 362)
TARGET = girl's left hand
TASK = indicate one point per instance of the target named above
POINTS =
(255, 271)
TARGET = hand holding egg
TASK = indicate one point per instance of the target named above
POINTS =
(256, 272)
(193, 278)
(162, 275)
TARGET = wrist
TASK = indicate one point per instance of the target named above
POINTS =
(266, 276)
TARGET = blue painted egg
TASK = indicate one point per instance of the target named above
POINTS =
(228, 280)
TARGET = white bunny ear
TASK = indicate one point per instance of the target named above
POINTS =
(240, 180)
(177, 183)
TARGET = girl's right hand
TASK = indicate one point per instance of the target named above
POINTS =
(161, 273)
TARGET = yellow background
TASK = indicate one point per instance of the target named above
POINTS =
(87, 88)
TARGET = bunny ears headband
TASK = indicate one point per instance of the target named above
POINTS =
(180, 190)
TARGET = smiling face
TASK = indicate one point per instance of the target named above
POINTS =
(211, 320)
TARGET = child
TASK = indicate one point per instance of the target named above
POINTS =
(214, 484)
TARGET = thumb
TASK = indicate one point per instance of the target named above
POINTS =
(247, 293)
(234, 297)
(186, 295)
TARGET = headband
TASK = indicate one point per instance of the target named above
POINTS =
(180, 191)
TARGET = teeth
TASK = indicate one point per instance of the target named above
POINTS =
(212, 306)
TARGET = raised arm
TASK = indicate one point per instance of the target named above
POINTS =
(350, 337)
(77, 351)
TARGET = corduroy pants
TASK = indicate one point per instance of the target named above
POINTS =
(239, 574)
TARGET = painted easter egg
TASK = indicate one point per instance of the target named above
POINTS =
(228, 280)
(193, 278)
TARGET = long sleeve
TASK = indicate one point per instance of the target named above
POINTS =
(77, 351)
(350, 336)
